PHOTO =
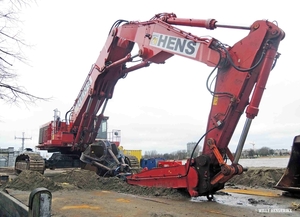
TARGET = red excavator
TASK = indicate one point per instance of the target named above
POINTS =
(237, 82)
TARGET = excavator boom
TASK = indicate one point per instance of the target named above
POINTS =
(241, 72)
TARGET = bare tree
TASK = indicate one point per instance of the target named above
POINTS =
(11, 44)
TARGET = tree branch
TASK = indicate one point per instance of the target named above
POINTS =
(10, 50)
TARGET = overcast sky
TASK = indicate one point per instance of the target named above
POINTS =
(162, 107)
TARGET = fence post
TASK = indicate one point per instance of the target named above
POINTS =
(40, 203)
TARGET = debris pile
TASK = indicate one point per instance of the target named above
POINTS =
(87, 180)
(258, 177)
(30, 180)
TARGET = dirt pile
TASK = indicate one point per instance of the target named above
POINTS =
(86, 180)
(29, 180)
(259, 177)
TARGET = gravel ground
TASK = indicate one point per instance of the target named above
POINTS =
(82, 193)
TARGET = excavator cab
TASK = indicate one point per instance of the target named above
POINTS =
(290, 180)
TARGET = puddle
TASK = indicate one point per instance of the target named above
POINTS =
(234, 199)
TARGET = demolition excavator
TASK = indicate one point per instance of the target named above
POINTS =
(237, 82)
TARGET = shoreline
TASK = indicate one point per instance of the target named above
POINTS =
(285, 156)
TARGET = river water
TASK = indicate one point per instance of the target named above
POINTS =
(264, 162)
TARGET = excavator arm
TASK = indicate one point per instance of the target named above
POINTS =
(240, 67)
(157, 41)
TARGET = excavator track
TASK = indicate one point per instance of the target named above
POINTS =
(29, 161)
(133, 162)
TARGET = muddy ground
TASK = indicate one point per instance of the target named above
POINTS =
(72, 179)
(83, 193)
(77, 179)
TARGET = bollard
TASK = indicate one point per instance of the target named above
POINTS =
(40, 203)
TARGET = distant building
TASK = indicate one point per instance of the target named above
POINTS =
(282, 151)
(8, 157)
(190, 147)
(276, 152)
